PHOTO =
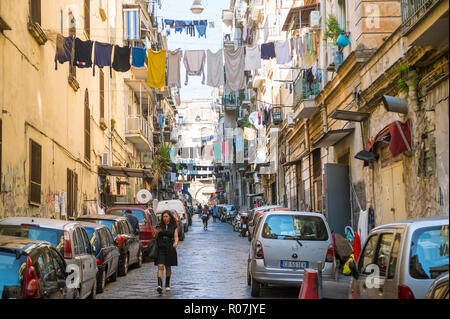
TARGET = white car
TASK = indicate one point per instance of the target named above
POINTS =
(69, 238)
(176, 205)
(284, 244)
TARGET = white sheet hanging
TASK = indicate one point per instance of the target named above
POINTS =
(283, 52)
(234, 69)
(252, 58)
(215, 73)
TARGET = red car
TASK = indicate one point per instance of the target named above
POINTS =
(147, 221)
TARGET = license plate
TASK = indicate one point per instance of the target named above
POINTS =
(244, 226)
(293, 264)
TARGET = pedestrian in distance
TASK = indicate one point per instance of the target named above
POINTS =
(167, 239)
(133, 221)
(205, 217)
(200, 209)
(215, 212)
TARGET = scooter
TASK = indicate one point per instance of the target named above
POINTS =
(243, 223)
(236, 222)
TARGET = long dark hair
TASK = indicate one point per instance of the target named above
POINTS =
(172, 222)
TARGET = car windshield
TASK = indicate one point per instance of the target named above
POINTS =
(298, 227)
(10, 269)
(53, 236)
(429, 252)
(139, 214)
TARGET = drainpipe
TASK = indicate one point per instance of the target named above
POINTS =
(323, 14)
(109, 96)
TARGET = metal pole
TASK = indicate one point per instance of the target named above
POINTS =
(323, 14)
(319, 279)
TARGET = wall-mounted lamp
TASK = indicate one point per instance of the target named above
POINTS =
(395, 104)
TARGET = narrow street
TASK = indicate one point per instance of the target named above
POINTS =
(211, 264)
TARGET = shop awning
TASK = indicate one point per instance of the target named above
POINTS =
(294, 162)
(293, 17)
(349, 116)
(124, 171)
(332, 137)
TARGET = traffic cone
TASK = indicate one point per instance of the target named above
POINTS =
(310, 285)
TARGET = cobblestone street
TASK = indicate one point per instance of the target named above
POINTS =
(211, 264)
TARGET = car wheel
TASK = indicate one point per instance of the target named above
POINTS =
(113, 277)
(94, 290)
(139, 262)
(124, 267)
(255, 287)
(249, 278)
(101, 282)
(76, 294)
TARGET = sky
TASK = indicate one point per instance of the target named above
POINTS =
(180, 10)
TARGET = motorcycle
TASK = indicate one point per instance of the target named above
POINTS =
(236, 222)
(243, 224)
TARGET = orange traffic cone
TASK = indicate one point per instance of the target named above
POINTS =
(310, 285)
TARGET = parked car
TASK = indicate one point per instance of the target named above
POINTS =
(69, 238)
(147, 222)
(32, 268)
(257, 213)
(130, 247)
(285, 243)
(180, 226)
(408, 257)
(175, 205)
(229, 212)
(439, 288)
(105, 251)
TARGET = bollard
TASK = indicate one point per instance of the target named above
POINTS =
(319, 279)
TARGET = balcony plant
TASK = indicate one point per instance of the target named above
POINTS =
(160, 164)
(333, 29)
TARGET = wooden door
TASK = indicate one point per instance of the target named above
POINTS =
(393, 193)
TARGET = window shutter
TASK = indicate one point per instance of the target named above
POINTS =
(87, 17)
(87, 128)
(35, 173)
(35, 11)
(69, 193)
(102, 94)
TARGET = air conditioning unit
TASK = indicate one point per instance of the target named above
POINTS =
(105, 159)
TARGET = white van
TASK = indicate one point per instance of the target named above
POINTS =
(176, 205)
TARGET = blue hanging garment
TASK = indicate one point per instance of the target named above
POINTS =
(138, 57)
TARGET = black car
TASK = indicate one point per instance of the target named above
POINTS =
(105, 251)
(32, 269)
(127, 241)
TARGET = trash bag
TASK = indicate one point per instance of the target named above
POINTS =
(343, 248)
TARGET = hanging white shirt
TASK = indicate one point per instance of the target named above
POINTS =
(363, 227)
(215, 73)
(252, 58)
(283, 52)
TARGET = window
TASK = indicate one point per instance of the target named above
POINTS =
(72, 191)
(47, 268)
(342, 20)
(429, 253)
(35, 11)
(102, 94)
(87, 127)
(95, 241)
(127, 227)
(102, 238)
(87, 17)
(87, 243)
(59, 265)
(77, 242)
(367, 255)
(383, 253)
(290, 227)
(394, 256)
(35, 173)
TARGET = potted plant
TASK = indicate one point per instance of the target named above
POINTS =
(113, 123)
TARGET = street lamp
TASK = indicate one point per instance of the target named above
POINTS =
(197, 7)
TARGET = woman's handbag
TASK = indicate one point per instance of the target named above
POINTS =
(152, 250)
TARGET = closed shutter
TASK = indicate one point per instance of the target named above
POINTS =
(35, 173)
(87, 128)
(87, 18)
(102, 94)
(69, 193)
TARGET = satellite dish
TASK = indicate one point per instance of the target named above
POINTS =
(144, 196)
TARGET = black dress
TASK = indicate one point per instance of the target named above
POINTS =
(167, 255)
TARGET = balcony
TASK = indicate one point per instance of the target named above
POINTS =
(304, 97)
(414, 10)
(137, 131)
(230, 101)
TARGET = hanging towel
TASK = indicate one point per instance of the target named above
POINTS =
(356, 246)
(310, 45)
(215, 74)
(234, 69)
(83, 54)
(282, 51)
(102, 56)
(400, 137)
(138, 57)
(252, 58)
(194, 62)
(267, 51)
(173, 68)
(121, 61)
(363, 229)
(156, 69)
(217, 149)
(63, 50)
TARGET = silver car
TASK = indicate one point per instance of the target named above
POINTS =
(401, 260)
(69, 238)
(284, 244)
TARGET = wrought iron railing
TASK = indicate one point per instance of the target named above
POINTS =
(304, 90)
(412, 10)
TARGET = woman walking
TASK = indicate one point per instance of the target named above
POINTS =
(167, 239)
(205, 217)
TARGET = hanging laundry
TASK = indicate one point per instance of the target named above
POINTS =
(83, 54)
(212, 25)
(234, 69)
(63, 50)
(201, 28)
(169, 22)
(267, 51)
(215, 73)
(173, 68)
(217, 149)
(310, 45)
(194, 62)
(156, 69)
(102, 56)
(363, 224)
(179, 25)
(121, 62)
(190, 28)
(252, 58)
(314, 70)
(400, 137)
(282, 52)
(292, 44)
(315, 40)
(138, 57)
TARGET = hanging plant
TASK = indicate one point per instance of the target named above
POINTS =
(333, 29)
(402, 85)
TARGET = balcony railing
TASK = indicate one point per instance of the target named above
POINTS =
(413, 10)
(137, 129)
(230, 101)
(305, 91)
